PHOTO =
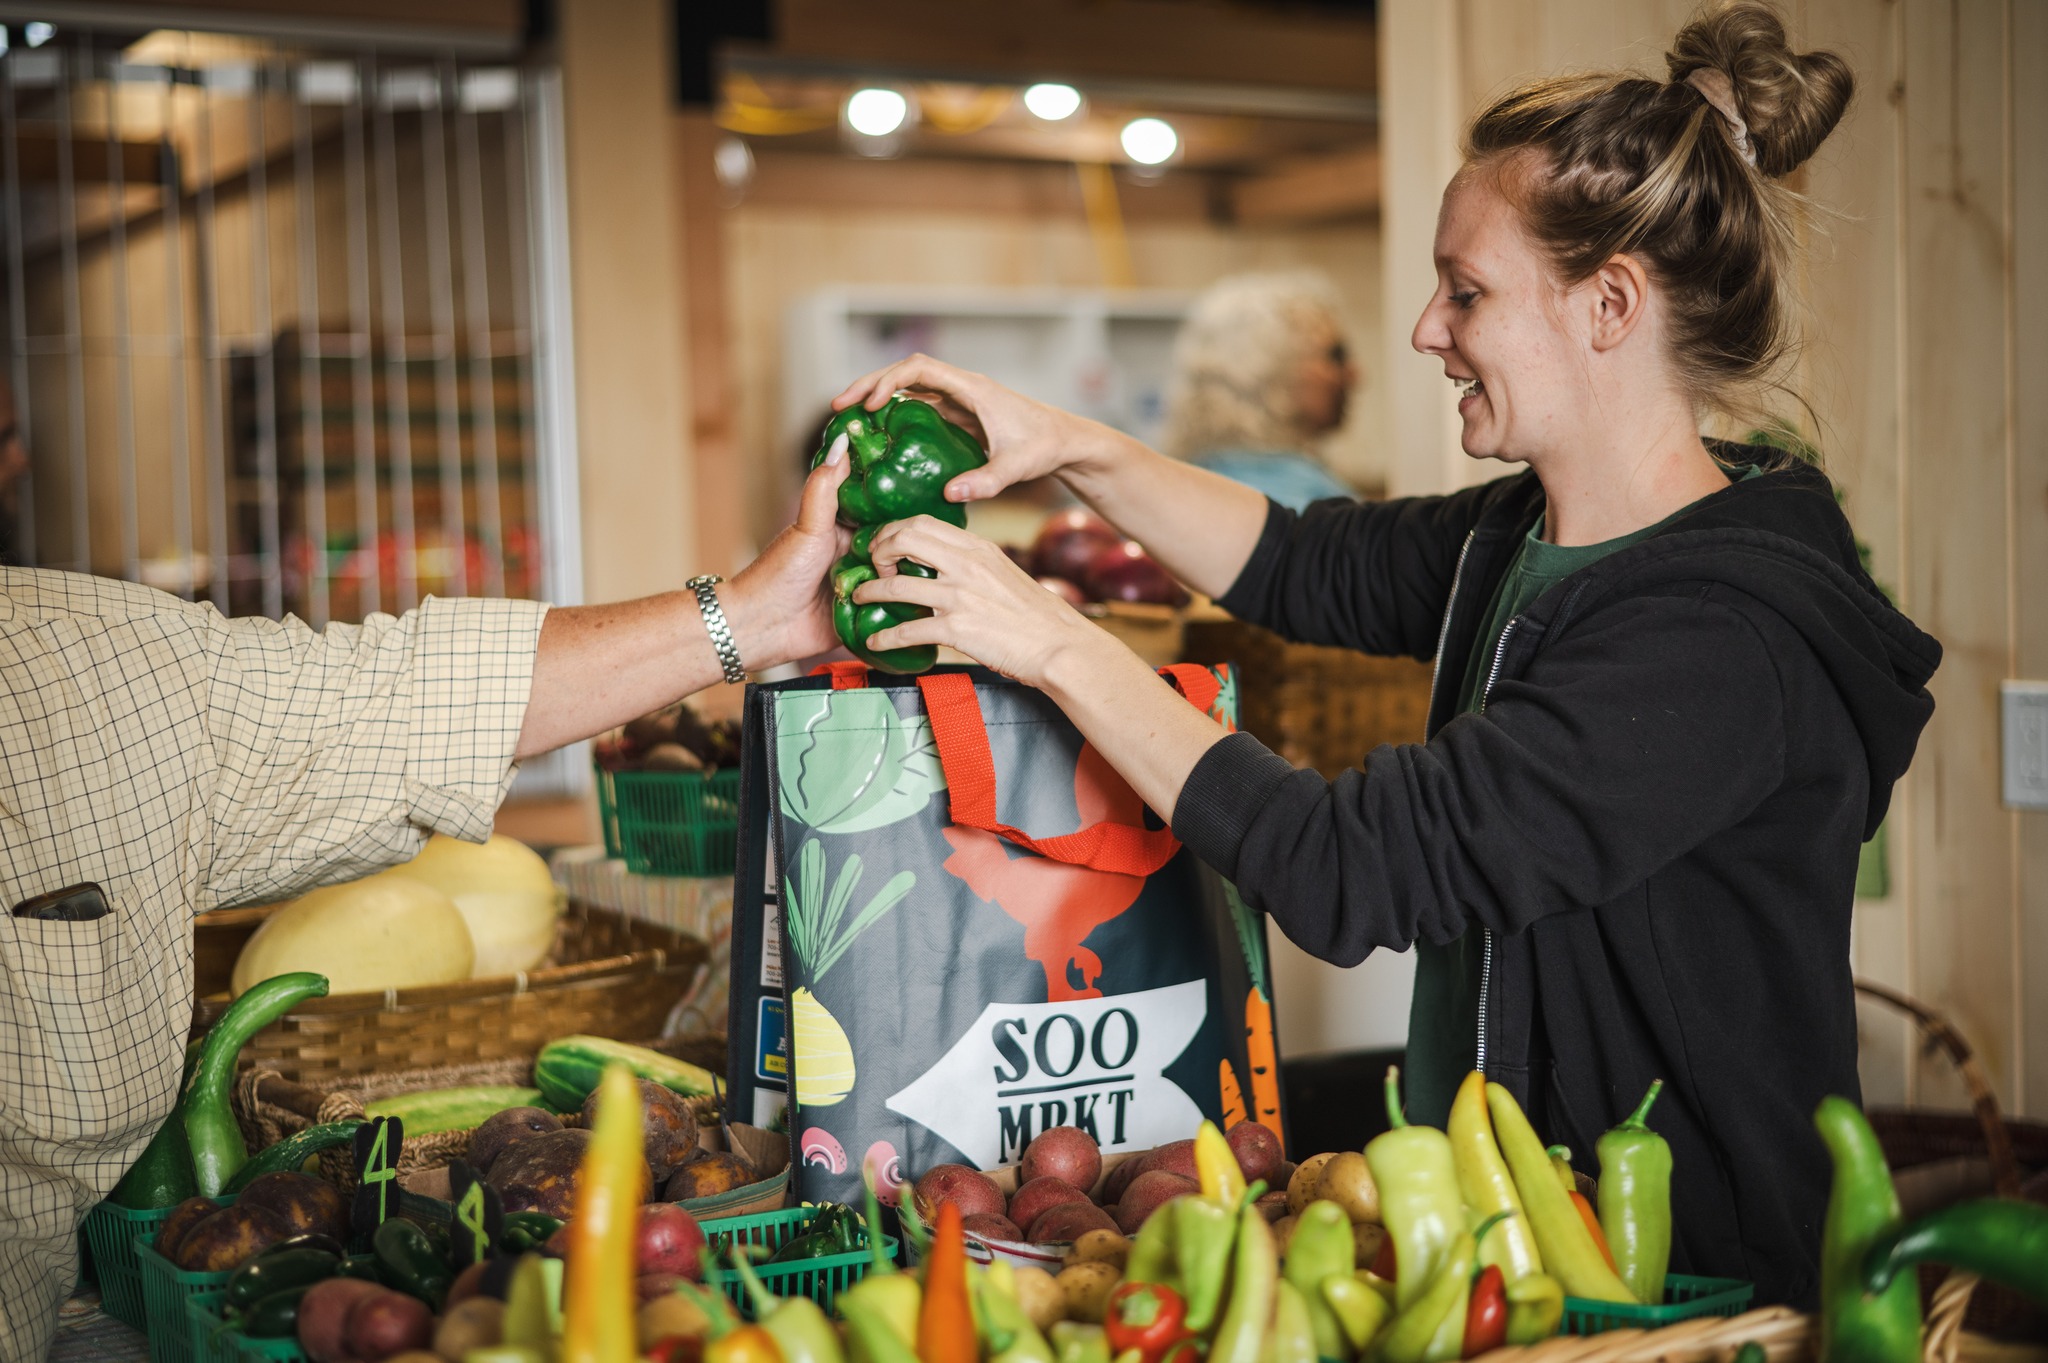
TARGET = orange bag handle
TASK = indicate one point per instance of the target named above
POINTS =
(961, 734)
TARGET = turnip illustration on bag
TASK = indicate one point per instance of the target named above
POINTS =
(956, 926)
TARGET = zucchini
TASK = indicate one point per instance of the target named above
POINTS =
(567, 1070)
(456, 1109)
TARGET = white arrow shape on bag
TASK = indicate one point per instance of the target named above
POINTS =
(1099, 1064)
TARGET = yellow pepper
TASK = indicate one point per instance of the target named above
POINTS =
(1216, 1166)
(598, 1306)
(1487, 1186)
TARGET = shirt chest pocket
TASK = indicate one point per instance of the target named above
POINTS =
(86, 1058)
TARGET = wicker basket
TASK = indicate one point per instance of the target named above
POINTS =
(1912, 1138)
(608, 975)
(1317, 707)
(270, 1107)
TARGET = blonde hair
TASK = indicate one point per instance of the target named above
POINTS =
(1612, 164)
(1236, 360)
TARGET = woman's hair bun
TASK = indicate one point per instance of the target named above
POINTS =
(1790, 100)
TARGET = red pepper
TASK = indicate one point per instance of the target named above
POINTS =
(1383, 1265)
(1148, 1317)
(1592, 1220)
(677, 1349)
(1188, 1350)
(1486, 1318)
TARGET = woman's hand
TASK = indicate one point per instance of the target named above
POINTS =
(1024, 438)
(780, 605)
(981, 603)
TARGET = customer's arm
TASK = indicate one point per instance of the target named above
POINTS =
(599, 666)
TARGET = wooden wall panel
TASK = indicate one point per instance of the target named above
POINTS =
(2028, 309)
(1956, 248)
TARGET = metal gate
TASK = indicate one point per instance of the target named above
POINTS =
(284, 329)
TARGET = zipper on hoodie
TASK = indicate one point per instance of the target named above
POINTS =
(1500, 651)
(1443, 632)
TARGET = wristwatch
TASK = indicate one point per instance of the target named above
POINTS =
(716, 627)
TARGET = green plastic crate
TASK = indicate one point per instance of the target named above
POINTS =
(165, 1290)
(212, 1344)
(111, 1232)
(1684, 1298)
(671, 823)
(819, 1279)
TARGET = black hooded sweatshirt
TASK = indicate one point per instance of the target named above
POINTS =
(1656, 820)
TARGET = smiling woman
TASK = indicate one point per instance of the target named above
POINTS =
(1670, 704)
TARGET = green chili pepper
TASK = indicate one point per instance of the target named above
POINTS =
(1322, 1247)
(1254, 1277)
(1569, 1252)
(523, 1232)
(2004, 1241)
(1862, 1208)
(1074, 1342)
(1431, 1328)
(1420, 1203)
(1151, 1259)
(1535, 1308)
(798, 1325)
(1635, 1201)
(1361, 1312)
(1293, 1336)
(289, 1154)
(902, 455)
(408, 1261)
(1204, 1235)
(269, 1273)
(362, 1266)
(206, 1108)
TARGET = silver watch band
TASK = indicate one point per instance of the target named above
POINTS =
(716, 626)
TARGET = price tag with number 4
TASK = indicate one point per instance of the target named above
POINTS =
(479, 1216)
(376, 1151)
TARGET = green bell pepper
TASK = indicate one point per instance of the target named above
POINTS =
(525, 1232)
(902, 457)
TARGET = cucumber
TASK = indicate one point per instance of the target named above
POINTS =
(456, 1109)
(567, 1070)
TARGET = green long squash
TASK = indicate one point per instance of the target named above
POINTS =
(567, 1070)
(451, 1109)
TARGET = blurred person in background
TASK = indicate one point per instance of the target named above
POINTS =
(1261, 374)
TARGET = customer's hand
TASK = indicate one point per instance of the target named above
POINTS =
(1024, 438)
(982, 603)
(781, 603)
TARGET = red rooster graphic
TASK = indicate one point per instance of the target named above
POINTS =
(1057, 904)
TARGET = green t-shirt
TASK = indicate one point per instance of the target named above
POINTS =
(1443, 1017)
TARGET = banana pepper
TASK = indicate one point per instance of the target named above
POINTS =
(1322, 1247)
(1635, 1201)
(1486, 1185)
(1420, 1204)
(1570, 1252)
(598, 1304)
(1254, 1280)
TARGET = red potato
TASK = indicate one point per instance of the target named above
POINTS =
(669, 1241)
(1066, 1153)
(1068, 541)
(988, 1226)
(972, 1191)
(1175, 1157)
(1040, 1196)
(1258, 1152)
(468, 1283)
(1120, 1179)
(1068, 1222)
(324, 1313)
(387, 1323)
(1149, 1192)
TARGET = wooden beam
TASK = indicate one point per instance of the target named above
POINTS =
(1343, 184)
(811, 181)
(722, 494)
(466, 27)
(1196, 41)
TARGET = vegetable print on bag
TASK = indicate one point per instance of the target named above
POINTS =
(985, 933)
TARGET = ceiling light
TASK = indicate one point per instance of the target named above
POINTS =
(1150, 141)
(1052, 102)
(875, 112)
(38, 34)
